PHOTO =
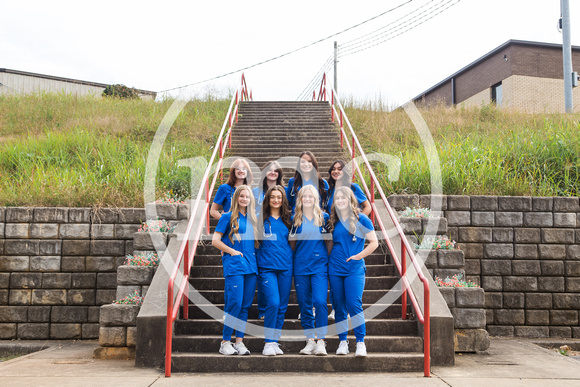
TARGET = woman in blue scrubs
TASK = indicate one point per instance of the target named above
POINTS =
(339, 176)
(234, 235)
(240, 173)
(307, 237)
(274, 265)
(346, 266)
(272, 176)
(307, 174)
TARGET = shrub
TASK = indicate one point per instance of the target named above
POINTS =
(159, 225)
(146, 258)
(132, 299)
(120, 91)
(439, 242)
(415, 212)
(455, 282)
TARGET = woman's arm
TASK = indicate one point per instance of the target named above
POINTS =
(372, 246)
(216, 241)
(366, 207)
(215, 211)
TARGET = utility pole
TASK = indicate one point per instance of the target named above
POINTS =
(567, 55)
(335, 66)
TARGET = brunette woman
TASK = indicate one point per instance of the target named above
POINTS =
(234, 235)
(307, 237)
(339, 176)
(307, 174)
(272, 176)
(275, 265)
(346, 266)
(240, 173)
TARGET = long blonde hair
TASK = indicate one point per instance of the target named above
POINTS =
(318, 217)
(352, 213)
(250, 214)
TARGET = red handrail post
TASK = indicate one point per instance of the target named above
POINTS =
(427, 333)
(169, 329)
(186, 267)
(403, 274)
(353, 157)
(372, 200)
(207, 201)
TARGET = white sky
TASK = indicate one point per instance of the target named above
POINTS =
(160, 45)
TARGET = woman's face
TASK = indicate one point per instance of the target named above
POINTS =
(336, 171)
(276, 199)
(341, 201)
(307, 199)
(272, 174)
(241, 171)
(306, 164)
(244, 199)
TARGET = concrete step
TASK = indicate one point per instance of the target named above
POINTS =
(389, 312)
(211, 343)
(390, 327)
(374, 362)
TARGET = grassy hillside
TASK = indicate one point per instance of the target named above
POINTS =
(59, 150)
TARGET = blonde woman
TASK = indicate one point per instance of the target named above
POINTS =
(240, 173)
(234, 236)
(346, 267)
(307, 238)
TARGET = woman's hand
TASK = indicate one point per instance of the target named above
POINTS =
(356, 257)
(236, 252)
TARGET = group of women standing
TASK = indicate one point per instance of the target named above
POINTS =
(311, 231)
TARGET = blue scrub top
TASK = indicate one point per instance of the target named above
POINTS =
(345, 247)
(259, 196)
(274, 251)
(237, 264)
(224, 196)
(292, 194)
(358, 194)
(310, 254)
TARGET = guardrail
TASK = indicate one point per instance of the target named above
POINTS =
(187, 250)
(400, 262)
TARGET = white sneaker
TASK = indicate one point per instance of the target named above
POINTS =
(342, 348)
(361, 349)
(270, 349)
(320, 349)
(331, 315)
(278, 350)
(299, 316)
(310, 347)
(226, 348)
(241, 348)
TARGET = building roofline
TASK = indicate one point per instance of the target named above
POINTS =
(484, 57)
(70, 80)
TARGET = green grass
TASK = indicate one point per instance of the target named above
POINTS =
(482, 151)
(60, 150)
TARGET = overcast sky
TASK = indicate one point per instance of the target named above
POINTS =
(160, 45)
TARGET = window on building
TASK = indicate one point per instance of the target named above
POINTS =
(497, 94)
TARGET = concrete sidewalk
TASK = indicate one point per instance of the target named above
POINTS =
(508, 362)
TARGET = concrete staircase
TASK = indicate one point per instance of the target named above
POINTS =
(268, 131)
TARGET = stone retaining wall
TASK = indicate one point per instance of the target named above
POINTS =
(58, 266)
(525, 253)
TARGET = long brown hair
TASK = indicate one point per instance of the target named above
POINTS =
(235, 165)
(353, 211)
(285, 212)
(345, 179)
(298, 176)
(266, 169)
(250, 214)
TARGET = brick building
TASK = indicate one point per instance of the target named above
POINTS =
(518, 74)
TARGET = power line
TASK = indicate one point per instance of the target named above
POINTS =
(290, 52)
(312, 84)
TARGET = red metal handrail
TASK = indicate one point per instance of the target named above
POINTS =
(322, 91)
(186, 253)
(400, 262)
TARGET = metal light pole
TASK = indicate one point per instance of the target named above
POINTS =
(567, 55)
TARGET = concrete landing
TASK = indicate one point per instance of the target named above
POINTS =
(508, 362)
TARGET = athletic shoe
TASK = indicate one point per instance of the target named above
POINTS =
(270, 349)
(320, 349)
(299, 316)
(226, 348)
(278, 350)
(331, 315)
(342, 348)
(361, 349)
(241, 348)
(309, 349)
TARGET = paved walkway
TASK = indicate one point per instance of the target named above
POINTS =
(508, 362)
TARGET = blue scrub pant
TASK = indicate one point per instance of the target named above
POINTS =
(239, 293)
(311, 290)
(261, 301)
(347, 292)
(276, 286)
